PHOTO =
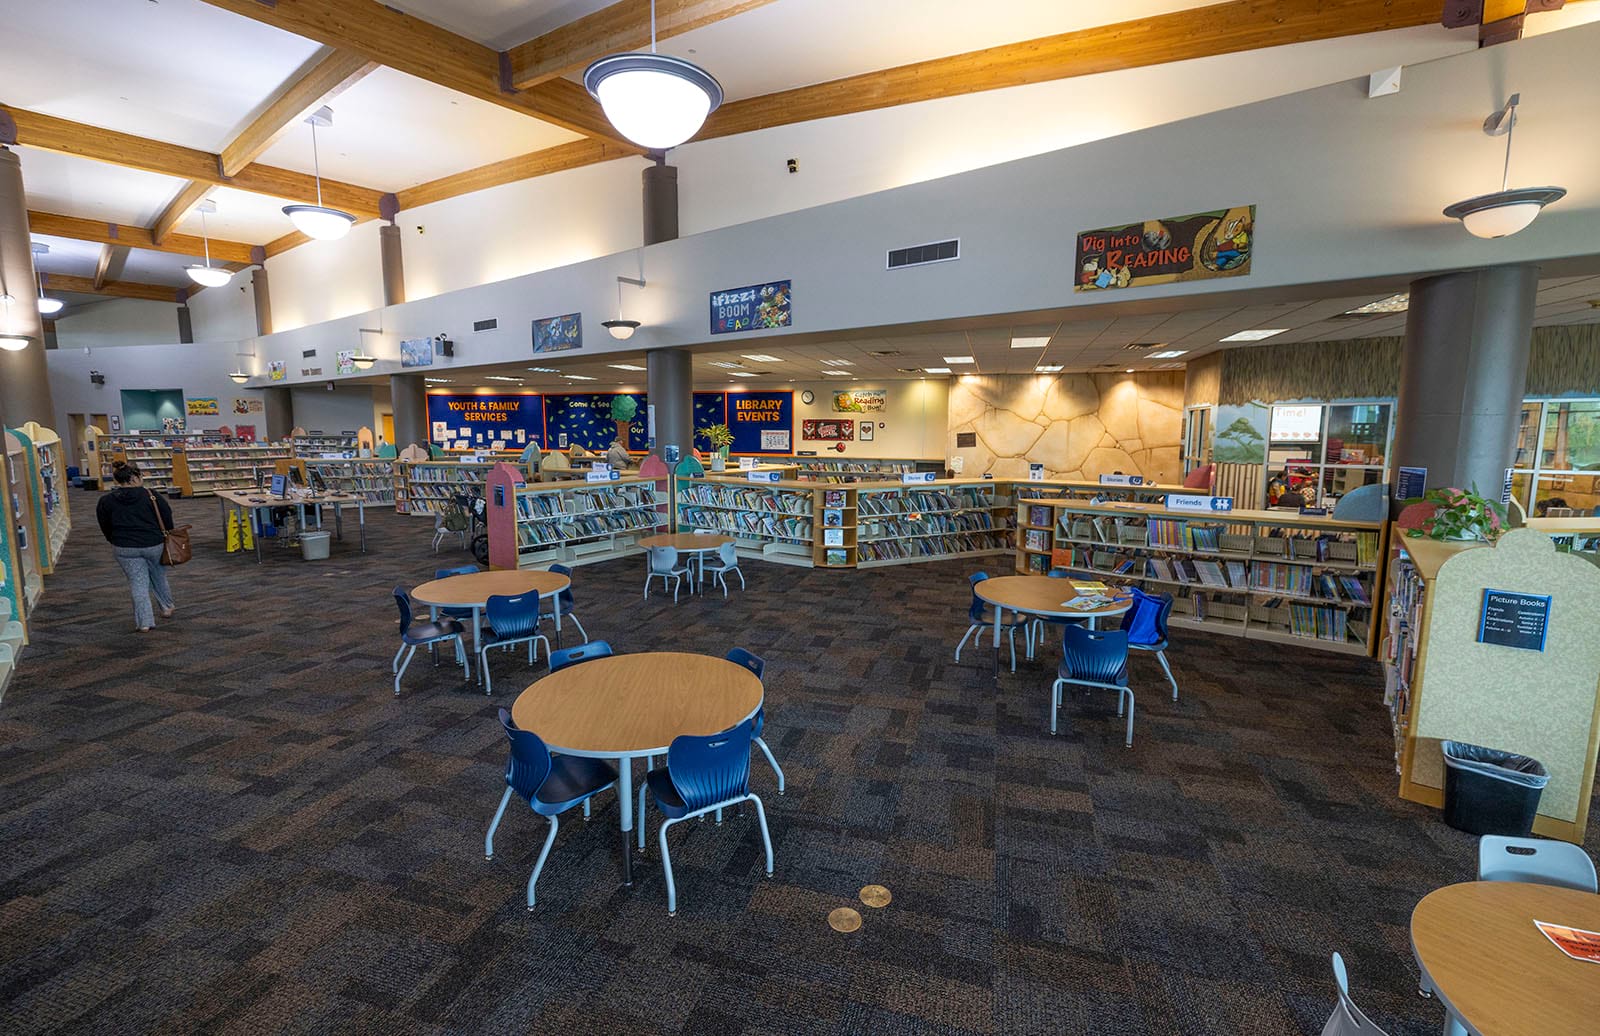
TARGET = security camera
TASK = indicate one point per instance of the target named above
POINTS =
(97, 378)
(794, 165)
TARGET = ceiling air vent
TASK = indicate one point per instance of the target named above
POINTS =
(485, 325)
(922, 255)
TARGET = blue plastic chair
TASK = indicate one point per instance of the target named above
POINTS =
(1146, 625)
(1536, 860)
(550, 784)
(1347, 1019)
(703, 774)
(415, 634)
(983, 618)
(754, 663)
(446, 573)
(564, 599)
(559, 660)
(1094, 658)
(512, 620)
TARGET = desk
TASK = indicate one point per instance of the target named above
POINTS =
(696, 544)
(1491, 968)
(1038, 595)
(251, 504)
(627, 707)
(474, 590)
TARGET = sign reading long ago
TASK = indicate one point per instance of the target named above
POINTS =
(1195, 247)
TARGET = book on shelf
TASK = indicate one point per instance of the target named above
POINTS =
(836, 557)
(1038, 564)
(832, 517)
(1037, 540)
(833, 498)
(1038, 515)
(833, 537)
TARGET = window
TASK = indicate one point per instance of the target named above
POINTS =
(1558, 457)
(1323, 452)
(1196, 438)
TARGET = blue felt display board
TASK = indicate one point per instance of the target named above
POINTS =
(585, 419)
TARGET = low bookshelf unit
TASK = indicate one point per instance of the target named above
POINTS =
(535, 525)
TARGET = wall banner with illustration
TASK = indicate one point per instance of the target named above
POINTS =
(416, 352)
(243, 405)
(591, 420)
(1195, 247)
(558, 334)
(506, 422)
(751, 308)
(201, 406)
(828, 431)
(761, 422)
(859, 401)
(344, 361)
(275, 370)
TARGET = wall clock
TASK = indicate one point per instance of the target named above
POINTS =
(808, 397)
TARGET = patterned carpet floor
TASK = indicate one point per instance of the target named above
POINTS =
(230, 825)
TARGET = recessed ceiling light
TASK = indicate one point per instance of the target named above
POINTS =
(837, 374)
(885, 352)
(577, 377)
(726, 364)
(626, 366)
(544, 370)
(1393, 304)
(437, 381)
(763, 358)
(1166, 354)
(1254, 335)
(740, 374)
(499, 377)
(1049, 368)
(837, 363)
(1030, 343)
(959, 359)
(1128, 371)
(936, 370)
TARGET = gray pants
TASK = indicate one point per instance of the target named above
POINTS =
(145, 573)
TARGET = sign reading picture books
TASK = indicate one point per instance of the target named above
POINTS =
(501, 422)
(1514, 620)
(416, 352)
(828, 431)
(859, 401)
(1199, 246)
(751, 308)
(203, 405)
(558, 334)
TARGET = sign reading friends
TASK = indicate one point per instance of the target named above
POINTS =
(1195, 247)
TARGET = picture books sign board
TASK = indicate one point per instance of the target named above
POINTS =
(1197, 246)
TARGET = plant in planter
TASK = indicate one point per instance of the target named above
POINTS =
(718, 436)
(1460, 514)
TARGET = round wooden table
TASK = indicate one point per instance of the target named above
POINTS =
(474, 590)
(1494, 971)
(1040, 595)
(697, 543)
(627, 707)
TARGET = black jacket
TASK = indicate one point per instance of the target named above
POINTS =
(128, 518)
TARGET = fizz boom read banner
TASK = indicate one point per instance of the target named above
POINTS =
(1195, 247)
(752, 308)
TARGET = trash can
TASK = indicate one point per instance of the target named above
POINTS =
(1490, 792)
(314, 546)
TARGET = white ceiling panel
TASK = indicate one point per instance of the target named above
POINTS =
(391, 131)
(241, 216)
(175, 70)
(67, 256)
(94, 190)
(501, 24)
(146, 267)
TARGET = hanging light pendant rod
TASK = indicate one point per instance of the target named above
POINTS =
(319, 221)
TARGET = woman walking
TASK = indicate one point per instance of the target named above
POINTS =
(134, 521)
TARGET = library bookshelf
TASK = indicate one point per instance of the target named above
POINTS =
(1442, 682)
(47, 476)
(205, 470)
(1263, 575)
(838, 470)
(534, 525)
(426, 487)
(372, 480)
(778, 521)
(21, 577)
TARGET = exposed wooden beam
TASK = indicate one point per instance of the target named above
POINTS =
(279, 245)
(80, 229)
(521, 167)
(621, 27)
(103, 264)
(103, 145)
(424, 50)
(325, 79)
(187, 198)
(117, 289)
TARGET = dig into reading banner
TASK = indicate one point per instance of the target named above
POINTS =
(1195, 247)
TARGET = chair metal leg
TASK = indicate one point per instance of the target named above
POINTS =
(494, 825)
(402, 670)
(581, 631)
(1055, 704)
(1161, 656)
(1128, 741)
(766, 836)
(666, 868)
(719, 816)
(737, 569)
(771, 762)
(647, 577)
(964, 638)
(677, 581)
(483, 668)
(394, 667)
(722, 583)
(550, 839)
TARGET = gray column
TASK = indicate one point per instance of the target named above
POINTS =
(185, 325)
(660, 202)
(670, 391)
(409, 396)
(278, 408)
(1462, 375)
(258, 286)
(24, 377)
(394, 273)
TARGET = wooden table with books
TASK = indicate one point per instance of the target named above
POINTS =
(1048, 597)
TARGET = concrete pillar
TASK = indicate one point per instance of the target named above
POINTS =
(409, 396)
(394, 274)
(1462, 376)
(185, 325)
(670, 391)
(24, 378)
(278, 410)
(660, 202)
(258, 285)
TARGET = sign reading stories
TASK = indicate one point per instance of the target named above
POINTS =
(558, 334)
(502, 422)
(749, 309)
(1514, 620)
(1198, 246)
(756, 417)
(202, 405)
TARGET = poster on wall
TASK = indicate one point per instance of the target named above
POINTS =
(116, 422)
(1241, 434)
(828, 431)
(590, 419)
(344, 361)
(243, 405)
(245, 432)
(416, 352)
(487, 422)
(752, 415)
(202, 406)
(275, 370)
(1199, 246)
(558, 334)
(751, 308)
(859, 401)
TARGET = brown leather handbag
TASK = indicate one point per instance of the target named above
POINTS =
(175, 548)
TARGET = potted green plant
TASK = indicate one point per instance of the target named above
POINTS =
(1460, 514)
(719, 437)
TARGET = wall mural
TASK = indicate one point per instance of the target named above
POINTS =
(1195, 247)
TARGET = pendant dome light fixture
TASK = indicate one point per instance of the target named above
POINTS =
(363, 362)
(11, 341)
(319, 221)
(1506, 211)
(207, 276)
(621, 329)
(238, 377)
(48, 307)
(655, 100)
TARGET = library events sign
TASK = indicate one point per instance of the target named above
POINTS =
(590, 420)
(1514, 620)
(761, 422)
(751, 308)
(507, 422)
(1195, 247)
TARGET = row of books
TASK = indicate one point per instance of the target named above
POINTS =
(748, 524)
(535, 534)
(1173, 532)
(551, 506)
(1311, 620)
(927, 525)
(770, 500)
(907, 501)
(932, 546)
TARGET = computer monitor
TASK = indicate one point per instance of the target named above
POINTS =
(280, 485)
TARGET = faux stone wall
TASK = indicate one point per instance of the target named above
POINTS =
(1076, 425)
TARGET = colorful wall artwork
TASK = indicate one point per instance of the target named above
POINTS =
(203, 406)
(751, 308)
(558, 334)
(1195, 247)
(416, 352)
(828, 431)
(860, 401)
